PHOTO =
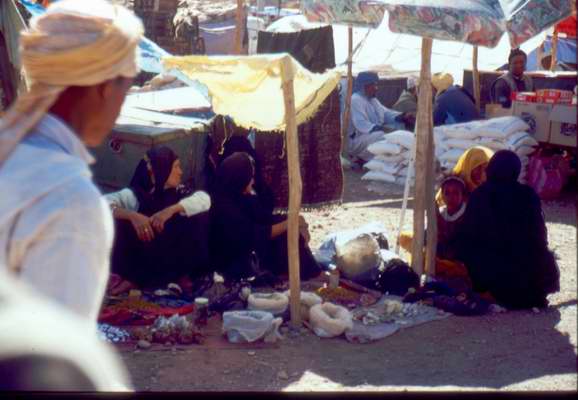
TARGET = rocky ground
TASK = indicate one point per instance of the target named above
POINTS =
(512, 351)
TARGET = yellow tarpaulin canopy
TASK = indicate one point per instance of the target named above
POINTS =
(249, 88)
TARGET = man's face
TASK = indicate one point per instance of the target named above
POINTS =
(106, 101)
(371, 90)
(518, 65)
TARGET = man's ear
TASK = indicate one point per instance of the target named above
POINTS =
(104, 90)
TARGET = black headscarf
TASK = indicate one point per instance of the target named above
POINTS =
(266, 197)
(504, 167)
(151, 193)
(234, 174)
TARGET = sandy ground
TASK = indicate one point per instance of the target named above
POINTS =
(513, 351)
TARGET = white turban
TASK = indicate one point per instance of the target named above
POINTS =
(75, 43)
(412, 82)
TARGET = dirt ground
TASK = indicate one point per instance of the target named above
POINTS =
(512, 351)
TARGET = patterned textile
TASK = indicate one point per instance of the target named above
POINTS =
(142, 311)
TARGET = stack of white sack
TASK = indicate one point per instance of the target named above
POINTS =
(504, 133)
(392, 156)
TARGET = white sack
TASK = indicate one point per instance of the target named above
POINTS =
(463, 144)
(383, 147)
(402, 138)
(378, 176)
(452, 155)
(502, 127)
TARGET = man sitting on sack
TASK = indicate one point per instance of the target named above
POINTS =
(370, 120)
(453, 104)
(513, 81)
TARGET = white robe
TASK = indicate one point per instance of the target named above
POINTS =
(32, 326)
(194, 204)
(365, 115)
(56, 229)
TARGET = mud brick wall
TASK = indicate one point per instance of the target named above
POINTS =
(157, 17)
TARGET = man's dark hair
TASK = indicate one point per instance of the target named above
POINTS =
(516, 52)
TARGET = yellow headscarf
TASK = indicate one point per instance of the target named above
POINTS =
(470, 160)
(442, 81)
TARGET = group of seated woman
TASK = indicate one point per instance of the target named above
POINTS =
(491, 229)
(164, 233)
(492, 233)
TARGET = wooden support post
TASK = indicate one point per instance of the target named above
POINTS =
(432, 231)
(239, 29)
(476, 75)
(347, 110)
(295, 189)
(423, 131)
(554, 51)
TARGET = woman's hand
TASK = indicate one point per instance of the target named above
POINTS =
(304, 229)
(159, 219)
(142, 226)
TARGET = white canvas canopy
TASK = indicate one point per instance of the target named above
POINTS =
(394, 54)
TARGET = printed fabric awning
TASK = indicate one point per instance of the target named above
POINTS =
(249, 88)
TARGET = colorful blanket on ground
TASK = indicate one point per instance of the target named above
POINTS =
(142, 310)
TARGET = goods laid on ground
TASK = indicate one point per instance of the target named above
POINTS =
(250, 326)
(392, 154)
(330, 320)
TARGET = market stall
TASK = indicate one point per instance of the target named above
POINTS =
(242, 88)
(470, 22)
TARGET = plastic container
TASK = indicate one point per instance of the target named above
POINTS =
(333, 277)
(202, 310)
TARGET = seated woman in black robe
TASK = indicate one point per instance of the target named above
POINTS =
(264, 195)
(243, 239)
(161, 228)
(503, 239)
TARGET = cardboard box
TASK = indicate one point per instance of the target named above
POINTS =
(528, 97)
(495, 110)
(563, 125)
(554, 96)
(537, 115)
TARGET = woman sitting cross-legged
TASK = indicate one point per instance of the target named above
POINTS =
(161, 228)
(242, 236)
(503, 239)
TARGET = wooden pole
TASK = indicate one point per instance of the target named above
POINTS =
(476, 75)
(423, 130)
(554, 52)
(347, 110)
(239, 29)
(432, 231)
(295, 189)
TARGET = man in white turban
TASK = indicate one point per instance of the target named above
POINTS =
(79, 58)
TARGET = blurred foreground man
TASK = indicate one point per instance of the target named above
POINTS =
(45, 347)
(55, 228)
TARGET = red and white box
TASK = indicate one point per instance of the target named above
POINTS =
(526, 97)
(554, 96)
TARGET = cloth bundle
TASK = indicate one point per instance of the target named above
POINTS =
(504, 133)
